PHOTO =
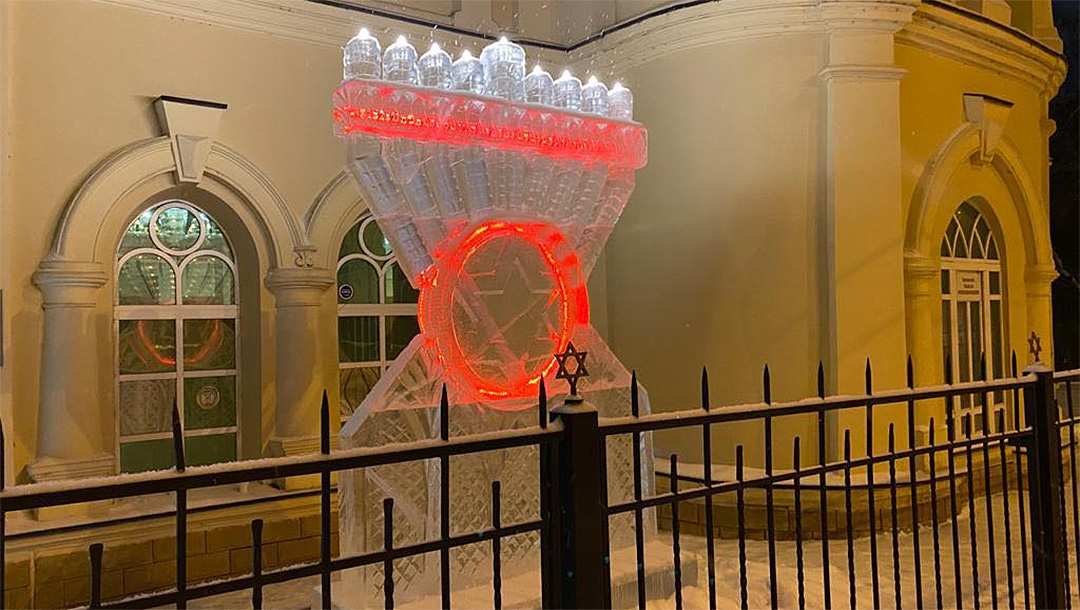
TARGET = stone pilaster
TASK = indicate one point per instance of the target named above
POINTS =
(71, 439)
(1037, 279)
(862, 207)
(303, 359)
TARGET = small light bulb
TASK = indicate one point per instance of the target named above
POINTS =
(401, 40)
(617, 86)
(503, 39)
(466, 54)
(435, 48)
(592, 80)
(537, 69)
(565, 74)
(364, 32)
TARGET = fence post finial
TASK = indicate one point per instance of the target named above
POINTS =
(869, 379)
(821, 379)
(766, 385)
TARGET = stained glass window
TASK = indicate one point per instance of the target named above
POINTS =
(176, 322)
(376, 311)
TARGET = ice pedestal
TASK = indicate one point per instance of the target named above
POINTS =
(415, 486)
(497, 212)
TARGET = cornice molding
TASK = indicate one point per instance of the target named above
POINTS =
(937, 27)
(958, 35)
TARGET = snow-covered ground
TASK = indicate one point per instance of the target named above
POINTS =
(757, 555)
(298, 594)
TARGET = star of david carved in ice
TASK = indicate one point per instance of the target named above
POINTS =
(579, 371)
(1034, 345)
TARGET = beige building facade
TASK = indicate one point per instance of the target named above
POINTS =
(829, 180)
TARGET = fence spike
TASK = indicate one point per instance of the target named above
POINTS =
(766, 384)
(324, 424)
(869, 379)
(2, 468)
(820, 379)
(910, 373)
(1014, 363)
(444, 415)
(541, 405)
(96, 551)
(178, 438)
(705, 388)
(635, 410)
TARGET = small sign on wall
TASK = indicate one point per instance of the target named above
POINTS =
(968, 283)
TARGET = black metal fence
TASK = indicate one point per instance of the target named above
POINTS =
(575, 512)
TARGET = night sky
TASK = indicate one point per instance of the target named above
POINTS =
(1065, 194)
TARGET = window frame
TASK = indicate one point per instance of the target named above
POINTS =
(381, 310)
(178, 312)
(984, 266)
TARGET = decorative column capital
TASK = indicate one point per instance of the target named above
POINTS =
(299, 287)
(920, 273)
(70, 283)
(1038, 278)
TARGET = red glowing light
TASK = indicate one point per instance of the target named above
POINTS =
(442, 282)
(396, 110)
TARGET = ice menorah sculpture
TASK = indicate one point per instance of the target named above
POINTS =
(497, 191)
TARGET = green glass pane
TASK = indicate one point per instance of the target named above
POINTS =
(949, 239)
(358, 339)
(210, 449)
(358, 283)
(991, 250)
(177, 228)
(398, 288)
(399, 332)
(945, 281)
(147, 346)
(137, 235)
(966, 215)
(960, 251)
(995, 282)
(374, 240)
(208, 280)
(146, 406)
(355, 383)
(995, 338)
(209, 344)
(976, 248)
(350, 244)
(215, 238)
(141, 456)
(146, 279)
(946, 334)
(209, 402)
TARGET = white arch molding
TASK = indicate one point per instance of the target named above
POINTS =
(1023, 227)
(73, 413)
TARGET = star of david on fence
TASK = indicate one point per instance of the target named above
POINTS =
(1034, 345)
(579, 371)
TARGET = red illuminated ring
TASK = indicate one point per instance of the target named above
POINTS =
(441, 281)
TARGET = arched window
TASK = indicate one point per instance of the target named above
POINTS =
(176, 320)
(972, 314)
(376, 311)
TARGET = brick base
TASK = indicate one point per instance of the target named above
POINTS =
(130, 566)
